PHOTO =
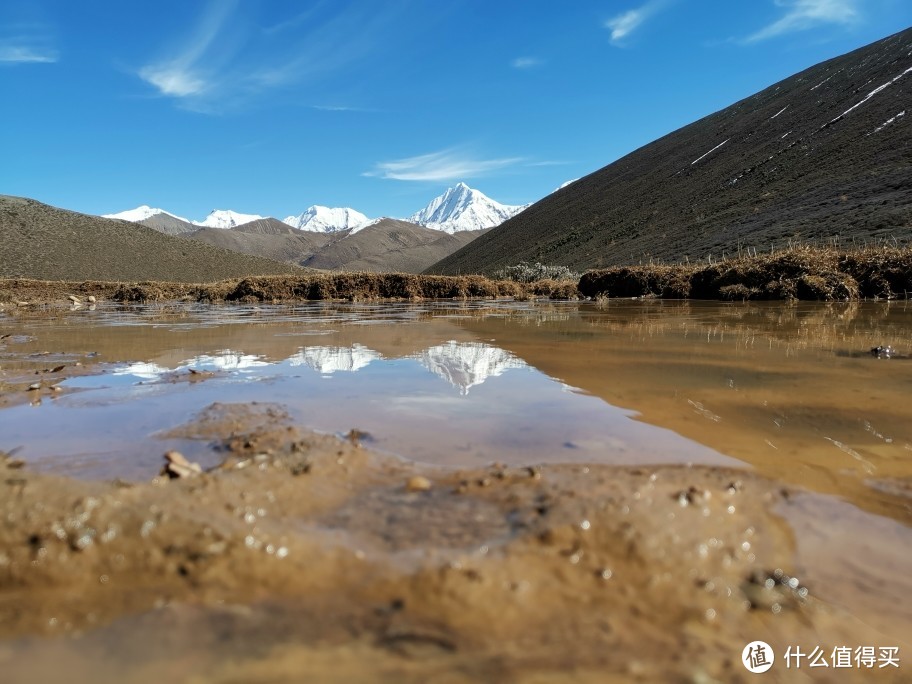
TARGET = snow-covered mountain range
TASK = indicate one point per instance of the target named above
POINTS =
(459, 208)
(218, 218)
(462, 208)
(328, 219)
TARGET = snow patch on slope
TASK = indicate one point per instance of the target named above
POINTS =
(871, 94)
(709, 153)
(888, 122)
(564, 185)
(779, 112)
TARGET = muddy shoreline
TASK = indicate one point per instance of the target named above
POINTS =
(324, 547)
(301, 556)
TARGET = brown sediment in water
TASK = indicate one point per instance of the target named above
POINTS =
(791, 389)
(309, 558)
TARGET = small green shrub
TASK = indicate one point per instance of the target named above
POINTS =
(524, 272)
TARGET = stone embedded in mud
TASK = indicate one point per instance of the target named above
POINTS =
(418, 483)
(773, 591)
(178, 466)
(692, 496)
(358, 437)
(882, 352)
(6, 459)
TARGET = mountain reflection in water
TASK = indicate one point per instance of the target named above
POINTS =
(786, 388)
(462, 364)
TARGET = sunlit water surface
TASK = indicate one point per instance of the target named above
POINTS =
(789, 389)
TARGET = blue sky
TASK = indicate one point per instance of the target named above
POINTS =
(269, 106)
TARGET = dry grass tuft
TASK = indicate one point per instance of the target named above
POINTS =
(802, 272)
(287, 288)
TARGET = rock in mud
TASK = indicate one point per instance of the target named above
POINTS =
(178, 466)
(418, 483)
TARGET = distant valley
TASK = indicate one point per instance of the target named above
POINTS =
(820, 157)
(334, 238)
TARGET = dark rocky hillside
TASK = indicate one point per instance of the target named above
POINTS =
(169, 225)
(40, 241)
(825, 153)
(267, 226)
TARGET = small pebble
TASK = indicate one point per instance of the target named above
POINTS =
(418, 483)
(178, 466)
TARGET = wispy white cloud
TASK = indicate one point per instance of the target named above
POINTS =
(526, 62)
(445, 165)
(12, 53)
(26, 42)
(801, 15)
(627, 22)
(341, 108)
(185, 74)
(296, 21)
(334, 108)
(552, 162)
(226, 63)
(175, 80)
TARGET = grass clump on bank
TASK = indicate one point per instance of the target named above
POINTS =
(799, 273)
(805, 273)
(287, 288)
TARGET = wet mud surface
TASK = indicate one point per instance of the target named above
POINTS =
(301, 556)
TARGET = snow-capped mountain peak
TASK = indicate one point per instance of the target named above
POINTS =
(225, 218)
(142, 213)
(467, 364)
(328, 360)
(464, 208)
(328, 219)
